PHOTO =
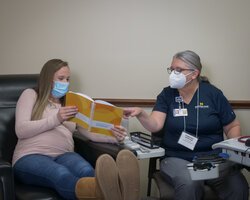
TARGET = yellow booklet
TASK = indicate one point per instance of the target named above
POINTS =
(94, 115)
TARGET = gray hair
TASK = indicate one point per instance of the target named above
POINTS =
(192, 60)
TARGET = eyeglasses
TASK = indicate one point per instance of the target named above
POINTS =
(177, 70)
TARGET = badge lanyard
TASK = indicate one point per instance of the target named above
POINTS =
(186, 139)
(197, 114)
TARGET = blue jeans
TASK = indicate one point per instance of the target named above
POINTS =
(60, 173)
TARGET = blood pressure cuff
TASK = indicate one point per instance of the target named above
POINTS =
(208, 161)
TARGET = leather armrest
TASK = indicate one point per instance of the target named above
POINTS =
(92, 150)
(7, 180)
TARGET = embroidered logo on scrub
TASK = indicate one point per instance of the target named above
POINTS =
(202, 105)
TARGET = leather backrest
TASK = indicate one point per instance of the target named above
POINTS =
(11, 87)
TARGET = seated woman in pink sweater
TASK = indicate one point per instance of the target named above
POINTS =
(44, 154)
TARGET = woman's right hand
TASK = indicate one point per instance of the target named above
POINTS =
(131, 112)
(66, 113)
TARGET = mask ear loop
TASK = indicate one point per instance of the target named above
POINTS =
(194, 70)
(188, 75)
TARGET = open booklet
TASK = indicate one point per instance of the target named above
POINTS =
(94, 115)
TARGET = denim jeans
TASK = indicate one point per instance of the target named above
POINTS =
(60, 173)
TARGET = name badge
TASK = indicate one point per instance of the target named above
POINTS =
(179, 99)
(179, 112)
(187, 140)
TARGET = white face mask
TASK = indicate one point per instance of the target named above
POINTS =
(178, 81)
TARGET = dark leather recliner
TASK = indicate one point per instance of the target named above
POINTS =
(11, 86)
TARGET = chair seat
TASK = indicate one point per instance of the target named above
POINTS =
(167, 191)
(25, 192)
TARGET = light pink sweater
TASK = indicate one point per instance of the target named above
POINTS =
(46, 136)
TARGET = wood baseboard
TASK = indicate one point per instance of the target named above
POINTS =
(236, 104)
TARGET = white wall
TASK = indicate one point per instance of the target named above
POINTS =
(121, 48)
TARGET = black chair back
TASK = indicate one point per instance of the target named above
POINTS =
(11, 87)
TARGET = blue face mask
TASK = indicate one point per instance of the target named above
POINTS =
(59, 89)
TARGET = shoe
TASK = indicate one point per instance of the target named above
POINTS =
(129, 175)
(107, 177)
(87, 189)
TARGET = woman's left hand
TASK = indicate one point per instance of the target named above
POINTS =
(119, 132)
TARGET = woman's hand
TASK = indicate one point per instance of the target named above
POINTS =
(131, 112)
(119, 132)
(66, 113)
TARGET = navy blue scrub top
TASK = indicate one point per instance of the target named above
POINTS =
(214, 113)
